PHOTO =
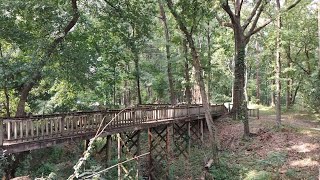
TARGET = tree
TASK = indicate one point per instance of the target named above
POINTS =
(242, 34)
(278, 65)
(188, 33)
(168, 56)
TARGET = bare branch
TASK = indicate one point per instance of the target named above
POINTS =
(225, 6)
(258, 29)
(238, 6)
(179, 20)
(292, 5)
(253, 13)
(66, 30)
(256, 19)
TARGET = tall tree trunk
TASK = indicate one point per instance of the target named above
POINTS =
(209, 60)
(273, 95)
(7, 102)
(318, 38)
(186, 73)
(278, 67)
(24, 93)
(137, 75)
(114, 86)
(173, 98)
(200, 80)
(239, 103)
(257, 73)
(289, 80)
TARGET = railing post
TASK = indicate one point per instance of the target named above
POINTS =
(258, 113)
(1, 132)
(62, 125)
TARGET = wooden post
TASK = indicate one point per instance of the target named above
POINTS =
(86, 144)
(62, 124)
(150, 151)
(119, 155)
(108, 150)
(189, 138)
(168, 150)
(9, 131)
(201, 131)
(258, 113)
(1, 132)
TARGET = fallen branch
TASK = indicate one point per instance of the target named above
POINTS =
(113, 166)
(89, 150)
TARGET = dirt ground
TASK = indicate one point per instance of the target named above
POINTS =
(291, 152)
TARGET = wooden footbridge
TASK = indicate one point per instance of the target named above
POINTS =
(168, 131)
(29, 133)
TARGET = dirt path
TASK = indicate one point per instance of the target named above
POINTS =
(292, 152)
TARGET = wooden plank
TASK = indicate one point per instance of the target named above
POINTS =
(21, 129)
(32, 129)
(37, 128)
(9, 130)
(15, 129)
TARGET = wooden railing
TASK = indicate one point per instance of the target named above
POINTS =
(30, 129)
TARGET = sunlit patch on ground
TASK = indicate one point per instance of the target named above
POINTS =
(307, 162)
(289, 152)
(304, 147)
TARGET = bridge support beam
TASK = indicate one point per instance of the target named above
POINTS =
(128, 147)
(196, 132)
(181, 139)
(108, 150)
(158, 138)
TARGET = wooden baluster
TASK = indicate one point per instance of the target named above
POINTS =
(62, 124)
(80, 124)
(15, 129)
(70, 120)
(37, 128)
(47, 121)
(74, 124)
(21, 129)
(42, 127)
(9, 130)
(27, 129)
(32, 128)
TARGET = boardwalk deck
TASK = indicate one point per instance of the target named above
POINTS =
(23, 134)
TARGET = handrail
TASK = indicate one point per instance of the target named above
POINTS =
(43, 127)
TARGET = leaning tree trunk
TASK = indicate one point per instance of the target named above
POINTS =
(24, 93)
(212, 130)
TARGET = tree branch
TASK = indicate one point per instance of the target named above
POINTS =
(225, 6)
(256, 19)
(292, 5)
(238, 7)
(253, 13)
(67, 29)
(258, 29)
(178, 18)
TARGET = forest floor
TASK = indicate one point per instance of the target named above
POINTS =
(289, 152)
